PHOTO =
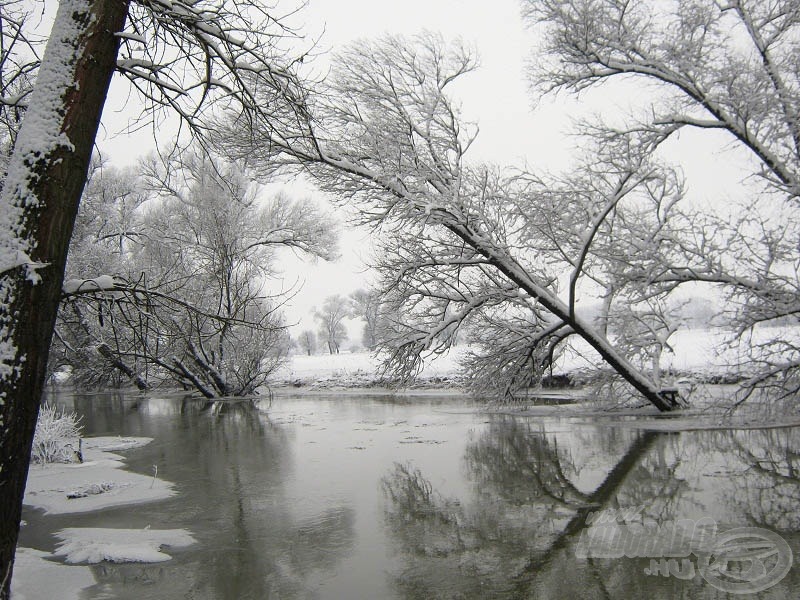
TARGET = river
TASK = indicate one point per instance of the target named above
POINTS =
(353, 496)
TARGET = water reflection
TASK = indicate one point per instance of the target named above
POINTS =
(515, 536)
(760, 471)
(231, 465)
(358, 497)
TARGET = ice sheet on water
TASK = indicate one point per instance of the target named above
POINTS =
(97, 544)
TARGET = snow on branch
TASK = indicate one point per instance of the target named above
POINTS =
(197, 58)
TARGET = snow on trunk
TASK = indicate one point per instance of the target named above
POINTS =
(38, 143)
(38, 204)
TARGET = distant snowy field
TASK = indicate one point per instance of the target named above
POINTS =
(704, 352)
(357, 369)
(698, 352)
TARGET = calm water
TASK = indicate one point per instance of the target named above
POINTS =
(352, 497)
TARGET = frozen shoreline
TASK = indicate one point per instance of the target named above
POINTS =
(97, 483)
(701, 354)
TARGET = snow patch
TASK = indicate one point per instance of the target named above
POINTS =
(133, 37)
(96, 544)
(99, 482)
(35, 577)
(101, 283)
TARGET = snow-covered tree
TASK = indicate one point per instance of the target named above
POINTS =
(19, 57)
(185, 57)
(366, 305)
(308, 342)
(335, 309)
(460, 240)
(213, 243)
(515, 252)
(191, 301)
(41, 189)
(728, 70)
(107, 229)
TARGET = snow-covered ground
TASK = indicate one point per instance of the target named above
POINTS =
(695, 352)
(98, 482)
(359, 369)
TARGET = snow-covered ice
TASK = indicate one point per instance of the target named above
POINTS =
(98, 482)
(93, 545)
(36, 578)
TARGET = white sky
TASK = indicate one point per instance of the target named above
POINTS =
(496, 96)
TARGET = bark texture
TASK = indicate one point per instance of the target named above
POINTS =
(46, 200)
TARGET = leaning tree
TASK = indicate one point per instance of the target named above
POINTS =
(464, 243)
(726, 70)
(509, 254)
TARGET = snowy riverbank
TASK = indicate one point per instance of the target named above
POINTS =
(362, 369)
(99, 482)
(699, 354)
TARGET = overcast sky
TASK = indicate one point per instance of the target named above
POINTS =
(495, 96)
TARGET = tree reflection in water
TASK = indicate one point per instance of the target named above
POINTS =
(764, 468)
(516, 533)
(252, 543)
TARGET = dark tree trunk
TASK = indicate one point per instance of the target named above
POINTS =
(42, 193)
(118, 364)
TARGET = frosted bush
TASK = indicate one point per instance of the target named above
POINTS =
(57, 437)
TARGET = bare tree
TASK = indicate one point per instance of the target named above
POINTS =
(366, 305)
(184, 56)
(308, 342)
(331, 321)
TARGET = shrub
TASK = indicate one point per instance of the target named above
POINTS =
(57, 437)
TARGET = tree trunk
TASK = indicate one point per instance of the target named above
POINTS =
(117, 362)
(40, 197)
